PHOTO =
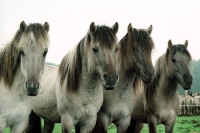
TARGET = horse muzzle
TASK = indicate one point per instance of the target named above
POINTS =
(186, 82)
(32, 88)
(109, 82)
(147, 76)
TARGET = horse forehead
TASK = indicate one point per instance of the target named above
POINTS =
(181, 56)
(105, 46)
(29, 42)
(32, 40)
(142, 30)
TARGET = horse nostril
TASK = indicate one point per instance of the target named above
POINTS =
(27, 86)
(186, 81)
(145, 72)
(105, 77)
(117, 77)
(37, 85)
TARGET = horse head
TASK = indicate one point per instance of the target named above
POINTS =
(178, 58)
(136, 47)
(101, 54)
(33, 47)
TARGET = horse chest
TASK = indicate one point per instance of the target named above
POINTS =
(14, 113)
(81, 111)
(82, 108)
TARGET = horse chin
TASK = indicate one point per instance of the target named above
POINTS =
(31, 94)
(108, 88)
(146, 81)
(185, 87)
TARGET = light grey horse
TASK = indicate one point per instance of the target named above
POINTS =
(188, 100)
(21, 67)
(196, 105)
(181, 110)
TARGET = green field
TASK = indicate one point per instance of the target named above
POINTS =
(184, 124)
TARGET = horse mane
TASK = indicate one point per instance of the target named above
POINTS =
(70, 69)
(161, 63)
(130, 41)
(10, 54)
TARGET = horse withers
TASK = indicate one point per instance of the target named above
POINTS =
(133, 58)
(158, 102)
(21, 67)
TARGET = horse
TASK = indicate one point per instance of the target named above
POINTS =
(158, 102)
(21, 67)
(133, 58)
(188, 100)
(181, 110)
(196, 105)
(73, 92)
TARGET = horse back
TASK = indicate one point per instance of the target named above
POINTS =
(45, 104)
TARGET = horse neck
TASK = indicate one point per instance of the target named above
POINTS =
(126, 72)
(126, 64)
(89, 83)
(167, 87)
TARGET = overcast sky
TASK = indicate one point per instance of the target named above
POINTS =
(69, 21)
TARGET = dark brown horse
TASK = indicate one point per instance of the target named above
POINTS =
(158, 102)
(134, 58)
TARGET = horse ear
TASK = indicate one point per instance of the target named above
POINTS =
(115, 28)
(46, 26)
(130, 29)
(170, 44)
(22, 26)
(149, 30)
(93, 28)
(186, 44)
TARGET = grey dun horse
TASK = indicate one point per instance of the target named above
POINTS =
(158, 102)
(133, 58)
(79, 82)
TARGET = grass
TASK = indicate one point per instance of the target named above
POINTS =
(184, 124)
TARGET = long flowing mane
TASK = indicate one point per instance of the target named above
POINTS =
(129, 42)
(161, 63)
(10, 54)
(71, 65)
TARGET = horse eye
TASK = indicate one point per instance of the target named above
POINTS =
(45, 52)
(22, 52)
(116, 49)
(95, 50)
(173, 60)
